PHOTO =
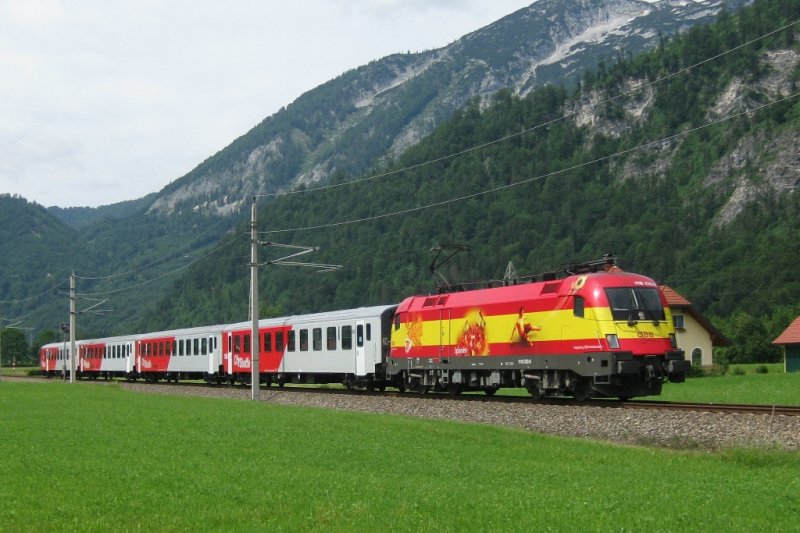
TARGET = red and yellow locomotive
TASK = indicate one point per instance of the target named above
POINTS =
(597, 331)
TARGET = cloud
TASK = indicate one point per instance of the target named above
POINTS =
(109, 101)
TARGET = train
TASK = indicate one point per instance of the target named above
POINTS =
(588, 330)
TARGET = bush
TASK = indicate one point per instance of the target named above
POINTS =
(738, 371)
(762, 369)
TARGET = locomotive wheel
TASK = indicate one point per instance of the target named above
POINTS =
(535, 392)
(454, 389)
(582, 391)
(489, 391)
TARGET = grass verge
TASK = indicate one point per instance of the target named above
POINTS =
(80, 457)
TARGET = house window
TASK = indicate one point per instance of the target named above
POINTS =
(677, 321)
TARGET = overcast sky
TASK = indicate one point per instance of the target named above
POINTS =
(104, 101)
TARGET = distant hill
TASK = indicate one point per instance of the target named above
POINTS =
(81, 217)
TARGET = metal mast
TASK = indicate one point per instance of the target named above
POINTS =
(254, 340)
(72, 314)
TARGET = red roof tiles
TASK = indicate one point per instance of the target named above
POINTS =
(790, 335)
(673, 298)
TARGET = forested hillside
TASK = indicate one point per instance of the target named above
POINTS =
(684, 177)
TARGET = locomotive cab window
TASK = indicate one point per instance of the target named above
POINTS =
(634, 304)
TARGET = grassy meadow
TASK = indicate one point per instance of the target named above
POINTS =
(745, 387)
(98, 458)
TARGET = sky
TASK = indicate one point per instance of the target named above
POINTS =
(105, 101)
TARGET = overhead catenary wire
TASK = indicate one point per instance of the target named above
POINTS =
(529, 180)
(153, 263)
(166, 274)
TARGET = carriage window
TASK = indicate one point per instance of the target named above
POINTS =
(369, 332)
(204, 346)
(290, 346)
(180, 347)
(278, 341)
(331, 336)
(360, 335)
(196, 350)
(347, 337)
(578, 306)
(267, 342)
(317, 337)
(247, 343)
(237, 344)
(303, 340)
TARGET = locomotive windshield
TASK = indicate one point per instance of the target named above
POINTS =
(634, 304)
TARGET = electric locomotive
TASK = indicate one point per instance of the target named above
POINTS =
(598, 332)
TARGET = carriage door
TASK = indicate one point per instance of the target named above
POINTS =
(361, 355)
(227, 356)
(444, 335)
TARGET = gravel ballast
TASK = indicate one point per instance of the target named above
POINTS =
(664, 428)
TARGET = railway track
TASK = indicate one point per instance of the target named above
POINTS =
(772, 410)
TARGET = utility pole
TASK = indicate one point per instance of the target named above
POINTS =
(72, 314)
(255, 380)
(254, 264)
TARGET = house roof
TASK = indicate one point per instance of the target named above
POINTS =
(673, 298)
(790, 335)
(676, 301)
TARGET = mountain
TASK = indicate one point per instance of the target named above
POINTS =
(689, 175)
(361, 120)
(81, 217)
(370, 115)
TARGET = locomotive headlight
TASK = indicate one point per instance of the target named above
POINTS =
(613, 341)
(673, 341)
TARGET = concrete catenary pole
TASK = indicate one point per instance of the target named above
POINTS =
(254, 340)
(72, 315)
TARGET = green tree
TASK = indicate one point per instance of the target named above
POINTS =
(14, 347)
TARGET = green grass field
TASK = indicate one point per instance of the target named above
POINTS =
(767, 389)
(87, 457)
